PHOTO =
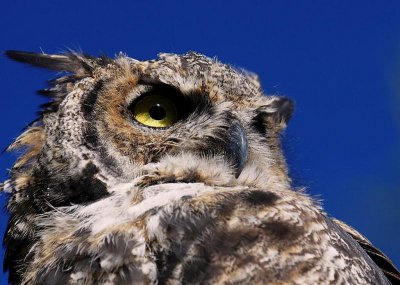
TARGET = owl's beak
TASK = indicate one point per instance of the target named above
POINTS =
(237, 147)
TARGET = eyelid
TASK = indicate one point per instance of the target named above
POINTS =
(156, 86)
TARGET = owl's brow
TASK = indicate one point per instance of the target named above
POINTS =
(146, 80)
(154, 82)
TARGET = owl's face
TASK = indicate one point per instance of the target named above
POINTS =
(118, 118)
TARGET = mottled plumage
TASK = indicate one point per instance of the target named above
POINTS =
(191, 188)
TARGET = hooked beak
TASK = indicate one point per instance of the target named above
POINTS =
(236, 147)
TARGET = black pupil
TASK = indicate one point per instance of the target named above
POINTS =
(157, 112)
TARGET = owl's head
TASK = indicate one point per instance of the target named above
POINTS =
(184, 117)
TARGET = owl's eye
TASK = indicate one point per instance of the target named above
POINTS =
(156, 111)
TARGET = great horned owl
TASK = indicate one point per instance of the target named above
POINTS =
(167, 171)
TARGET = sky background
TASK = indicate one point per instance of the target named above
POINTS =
(338, 60)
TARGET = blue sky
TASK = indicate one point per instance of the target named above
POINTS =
(339, 61)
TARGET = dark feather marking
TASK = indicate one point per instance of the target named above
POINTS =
(90, 132)
(259, 198)
(48, 107)
(62, 80)
(281, 231)
(222, 244)
(258, 123)
(84, 189)
(104, 60)
(16, 256)
(47, 92)
(195, 270)
(165, 264)
(90, 100)
(91, 135)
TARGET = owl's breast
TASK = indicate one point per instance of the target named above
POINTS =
(193, 233)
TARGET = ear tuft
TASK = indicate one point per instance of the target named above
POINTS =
(280, 111)
(70, 62)
(284, 109)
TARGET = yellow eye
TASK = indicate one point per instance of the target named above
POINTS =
(155, 111)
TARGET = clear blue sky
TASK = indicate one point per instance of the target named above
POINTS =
(339, 60)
